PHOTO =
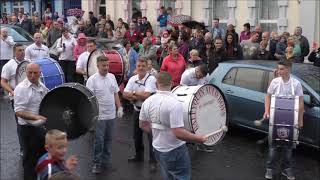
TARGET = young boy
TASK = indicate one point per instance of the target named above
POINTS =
(283, 85)
(53, 161)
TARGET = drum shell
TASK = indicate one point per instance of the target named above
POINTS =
(201, 111)
(71, 97)
(21, 71)
(51, 73)
(283, 123)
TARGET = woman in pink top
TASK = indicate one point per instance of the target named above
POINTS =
(81, 46)
(174, 64)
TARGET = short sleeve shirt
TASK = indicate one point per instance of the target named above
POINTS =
(285, 88)
(104, 88)
(189, 78)
(34, 52)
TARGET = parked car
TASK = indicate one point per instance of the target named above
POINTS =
(18, 34)
(244, 85)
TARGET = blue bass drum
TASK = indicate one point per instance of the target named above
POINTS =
(51, 72)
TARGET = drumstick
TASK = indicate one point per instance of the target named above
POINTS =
(258, 122)
(223, 129)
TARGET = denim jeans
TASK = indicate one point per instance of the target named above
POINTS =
(104, 132)
(273, 154)
(175, 164)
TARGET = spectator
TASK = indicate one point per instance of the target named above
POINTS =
(90, 30)
(93, 19)
(6, 46)
(4, 19)
(150, 36)
(246, 33)
(20, 17)
(44, 33)
(281, 47)
(108, 27)
(296, 46)
(219, 55)
(54, 34)
(258, 29)
(37, 50)
(144, 25)
(250, 48)
(81, 28)
(110, 35)
(136, 14)
(217, 31)
(162, 19)
(208, 37)
(36, 23)
(108, 20)
(119, 37)
(14, 21)
(47, 13)
(130, 58)
(48, 22)
(263, 54)
(55, 16)
(26, 24)
(151, 70)
(273, 44)
(149, 52)
(81, 46)
(137, 46)
(162, 52)
(194, 59)
(208, 52)
(304, 43)
(66, 44)
(174, 64)
(120, 27)
(165, 36)
(197, 42)
(233, 49)
(169, 12)
(132, 34)
(74, 26)
(290, 56)
(101, 32)
(184, 46)
(315, 55)
(231, 30)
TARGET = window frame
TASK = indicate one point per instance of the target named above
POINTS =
(213, 15)
(269, 20)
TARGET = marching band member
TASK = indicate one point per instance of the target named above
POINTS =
(195, 76)
(37, 50)
(104, 86)
(138, 89)
(8, 80)
(283, 86)
(27, 98)
(162, 114)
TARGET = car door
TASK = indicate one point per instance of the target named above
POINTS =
(243, 89)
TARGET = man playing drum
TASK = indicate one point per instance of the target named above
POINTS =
(283, 86)
(37, 50)
(195, 76)
(8, 79)
(139, 88)
(162, 114)
(82, 62)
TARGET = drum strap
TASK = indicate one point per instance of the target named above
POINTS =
(155, 117)
(282, 84)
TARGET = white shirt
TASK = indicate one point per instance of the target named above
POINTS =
(104, 88)
(34, 52)
(163, 108)
(82, 61)
(6, 48)
(189, 78)
(67, 52)
(27, 97)
(9, 73)
(284, 89)
(146, 84)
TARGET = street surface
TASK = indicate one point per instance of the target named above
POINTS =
(237, 157)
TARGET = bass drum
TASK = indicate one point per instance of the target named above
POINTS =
(71, 108)
(116, 63)
(21, 71)
(204, 111)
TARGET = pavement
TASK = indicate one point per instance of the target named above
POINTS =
(237, 157)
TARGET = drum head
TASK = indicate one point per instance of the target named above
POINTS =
(116, 64)
(71, 108)
(21, 71)
(208, 113)
(92, 62)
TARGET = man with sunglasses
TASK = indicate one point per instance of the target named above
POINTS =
(139, 88)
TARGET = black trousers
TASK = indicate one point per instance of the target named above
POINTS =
(18, 127)
(69, 70)
(33, 149)
(138, 138)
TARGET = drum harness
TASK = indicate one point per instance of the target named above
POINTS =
(281, 85)
(155, 119)
(142, 84)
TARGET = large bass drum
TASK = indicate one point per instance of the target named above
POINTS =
(116, 63)
(204, 111)
(21, 71)
(71, 108)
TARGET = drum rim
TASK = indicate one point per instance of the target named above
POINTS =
(18, 66)
(88, 61)
(57, 66)
(122, 62)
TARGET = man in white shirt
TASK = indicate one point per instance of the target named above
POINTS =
(104, 85)
(282, 86)
(82, 62)
(138, 89)
(162, 114)
(8, 80)
(37, 50)
(27, 98)
(195, 76)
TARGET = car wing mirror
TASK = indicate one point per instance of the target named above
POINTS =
(307, 99)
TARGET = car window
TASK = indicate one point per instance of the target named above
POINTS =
(250, 78)
(19, 36)
(230, 77)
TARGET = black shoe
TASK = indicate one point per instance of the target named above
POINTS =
(96, 169)
(152, 166)
(135, 158)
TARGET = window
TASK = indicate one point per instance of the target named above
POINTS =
(3, 6)
(250, 79)
(219, 9)
(18, 6)
(33, 6)
(102, 7)
(230, 77)
(268, 13)
(169, 3)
